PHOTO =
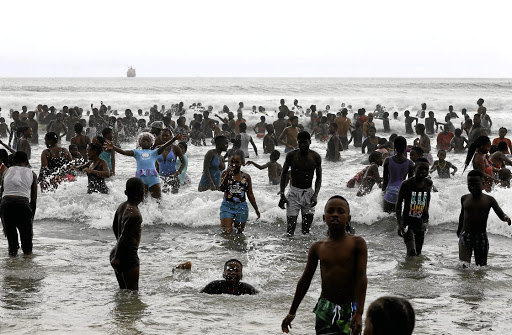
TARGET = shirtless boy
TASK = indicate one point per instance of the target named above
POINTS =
(343, 259)
(472, 230)
(274, 168)
(301, 197)
(290, 134)
(343, 123)
(127, 228)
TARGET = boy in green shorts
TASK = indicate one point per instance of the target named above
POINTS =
(342, 260)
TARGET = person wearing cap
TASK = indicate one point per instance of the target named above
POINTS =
(156, 130)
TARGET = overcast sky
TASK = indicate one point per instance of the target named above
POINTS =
(277, 38)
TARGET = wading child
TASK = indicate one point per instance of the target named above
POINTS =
(237, 186)
(96, 169)
(415, 195)
(442, 166)
(502, 133)
(334, 145)
(274, 168)
(260, 127)
(343, 259)
(166, 165)
(80, 140)
(4, 128)
(146, 158)
(368, 176)
(430, 122)
(478, 153)
(356, 135)
(270, 140)
(371, 142)
(472, 230)
(459, 143)
(109, 155)
(424, 142)
(127, 228)
(499, 158)
(408, 122)
(245, 139)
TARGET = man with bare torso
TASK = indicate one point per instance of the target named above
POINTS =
(304, 163)
(290, 134)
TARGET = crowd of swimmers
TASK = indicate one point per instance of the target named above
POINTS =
(161, 166)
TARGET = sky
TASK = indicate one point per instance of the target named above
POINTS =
(277, 38)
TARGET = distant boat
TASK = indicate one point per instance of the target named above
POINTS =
(131, 72)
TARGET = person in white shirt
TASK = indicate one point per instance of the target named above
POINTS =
(18, 205)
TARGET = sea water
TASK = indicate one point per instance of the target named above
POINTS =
(67, 285)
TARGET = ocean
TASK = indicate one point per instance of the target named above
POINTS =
(67, 285)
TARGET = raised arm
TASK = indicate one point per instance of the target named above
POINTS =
(261, 167)
(168, 143)
(302, 287)
(8, 147)
(111, 146)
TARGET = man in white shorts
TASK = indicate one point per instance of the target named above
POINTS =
(304, 163)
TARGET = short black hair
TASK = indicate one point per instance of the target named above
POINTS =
(304, 135)
(422, 160)
(418, 150)
(106, 131)
(134, 187)
(337, 196)
(233, 260)
(20, 157)
(475, 173)
(502, 146)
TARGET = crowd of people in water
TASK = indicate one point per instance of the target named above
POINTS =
(94, 137)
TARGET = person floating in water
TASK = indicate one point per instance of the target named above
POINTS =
(146, 158)
(237, 186)
(127, 228)
(304, 163)
(472, 230)
(415, 195)
(232, 281)
(343, 259)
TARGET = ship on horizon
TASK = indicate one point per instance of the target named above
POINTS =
(131, 72)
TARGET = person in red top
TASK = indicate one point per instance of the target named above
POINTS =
(502, 133)
(444, 138)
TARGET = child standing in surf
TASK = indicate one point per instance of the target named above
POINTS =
(146, 158)
(237, 186)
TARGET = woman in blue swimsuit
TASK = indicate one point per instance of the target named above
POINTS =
(166, 164)
(213, 165)
(146, 159)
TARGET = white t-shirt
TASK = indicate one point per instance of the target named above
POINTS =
(18, 181)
